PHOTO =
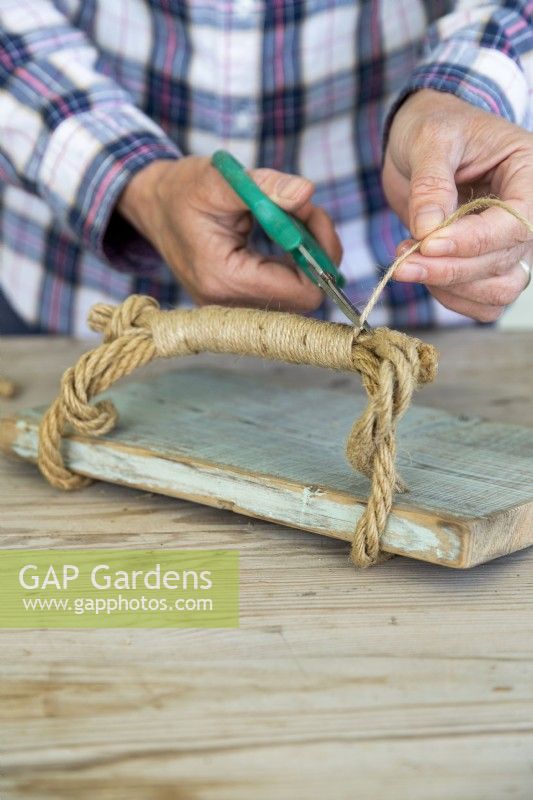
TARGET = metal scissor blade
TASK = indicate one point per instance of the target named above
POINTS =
(327, 283)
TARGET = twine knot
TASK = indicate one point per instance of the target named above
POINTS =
(122, 320)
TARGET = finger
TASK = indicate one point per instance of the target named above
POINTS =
(287, 190)
(458, 271)
(469, 308)
(476, 234)
(254, 280)
(291, 192)
(404, 246)
(497, 291)
(268, 283)
(432, 189)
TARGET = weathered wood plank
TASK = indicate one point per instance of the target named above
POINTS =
(277, 452)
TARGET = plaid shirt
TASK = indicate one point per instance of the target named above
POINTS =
(91, 91)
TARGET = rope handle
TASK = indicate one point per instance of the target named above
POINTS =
(136, 332)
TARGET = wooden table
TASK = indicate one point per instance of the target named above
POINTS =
(404, 681)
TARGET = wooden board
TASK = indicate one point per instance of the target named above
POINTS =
(243, 443)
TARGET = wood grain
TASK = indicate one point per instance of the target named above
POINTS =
(220, 437)
(410, 681)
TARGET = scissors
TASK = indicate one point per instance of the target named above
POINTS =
(289, 233)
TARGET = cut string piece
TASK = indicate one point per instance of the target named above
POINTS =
(391, 364)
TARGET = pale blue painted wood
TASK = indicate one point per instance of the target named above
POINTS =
(466, 466)
(255, 443)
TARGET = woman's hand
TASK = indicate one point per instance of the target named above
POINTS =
(442, 151)
(201, 227)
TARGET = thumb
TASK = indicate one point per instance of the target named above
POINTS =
(287, 190)
(291, 192)
(432, 189)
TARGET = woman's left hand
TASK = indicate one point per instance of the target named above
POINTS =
(442, 151)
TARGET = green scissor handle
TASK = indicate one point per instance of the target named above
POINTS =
(281, 227)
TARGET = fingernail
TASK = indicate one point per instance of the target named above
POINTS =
(288, 187)
(409, 271)
(439, 247)
(427, 219)
(403, 247)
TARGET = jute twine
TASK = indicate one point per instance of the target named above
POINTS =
(392, 365)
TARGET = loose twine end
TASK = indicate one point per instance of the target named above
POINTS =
(391, 364)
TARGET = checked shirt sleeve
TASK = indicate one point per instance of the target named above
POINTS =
(481, 52)
(67, 132)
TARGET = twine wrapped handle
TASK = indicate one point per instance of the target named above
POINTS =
(392, 365)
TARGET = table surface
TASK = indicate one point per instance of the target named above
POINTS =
(403, 681)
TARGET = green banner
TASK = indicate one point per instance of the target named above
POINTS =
(119, 589)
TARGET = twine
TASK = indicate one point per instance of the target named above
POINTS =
(472, 207)
(392, 365)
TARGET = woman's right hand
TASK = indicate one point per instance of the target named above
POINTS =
(200, 227)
